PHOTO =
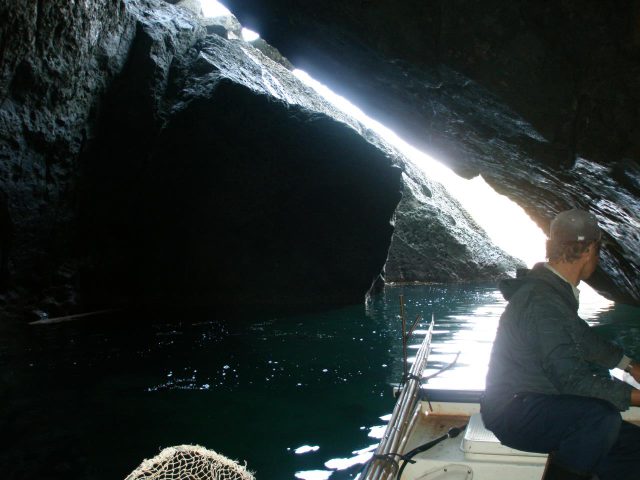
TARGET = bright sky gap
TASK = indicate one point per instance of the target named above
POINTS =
(249, 35)
(211, 8)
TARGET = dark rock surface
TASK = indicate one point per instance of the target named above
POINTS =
(435, 240)
(518, 91)
(143, 161)
(56, 59)
(570, 68)
(255, 191)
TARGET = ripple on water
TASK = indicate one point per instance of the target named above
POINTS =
(321, 381)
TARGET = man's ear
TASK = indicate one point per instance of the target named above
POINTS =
(592, 249)
(586, 254)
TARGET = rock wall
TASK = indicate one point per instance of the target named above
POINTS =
(570, 68)
(436, 241)
(144, 163)
(253, 191)
(56, 60)
(524, 93)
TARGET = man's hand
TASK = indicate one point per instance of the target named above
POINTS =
(634, 371)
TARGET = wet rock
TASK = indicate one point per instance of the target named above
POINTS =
(435, 240)
(519, 91)
(219, 30)
(194, 6)
(224, 26)
(57, 61)
(254, 191)
(146, 161)
(271, 52)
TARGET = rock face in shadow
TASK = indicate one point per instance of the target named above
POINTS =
(521, 92)
(243, 200)
(56, 59)
(254, 191)
(143, 161)
(570, 68)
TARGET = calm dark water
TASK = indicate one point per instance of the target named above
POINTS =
(293, 396)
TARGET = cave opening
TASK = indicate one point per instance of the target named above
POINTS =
(168, 161)
(505, 222)
(212, 8)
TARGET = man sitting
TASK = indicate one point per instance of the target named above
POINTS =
(542, 392)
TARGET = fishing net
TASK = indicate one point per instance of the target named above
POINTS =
(190, 462)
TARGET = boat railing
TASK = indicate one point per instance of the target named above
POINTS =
(384, 463)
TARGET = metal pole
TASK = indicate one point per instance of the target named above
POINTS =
(404, 340)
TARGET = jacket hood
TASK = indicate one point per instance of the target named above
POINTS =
(539, 273)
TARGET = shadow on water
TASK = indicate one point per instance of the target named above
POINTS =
(292, 395)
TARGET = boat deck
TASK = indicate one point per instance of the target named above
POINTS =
(447, 460)
(479, 456)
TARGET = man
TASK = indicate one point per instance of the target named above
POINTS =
(542, 391)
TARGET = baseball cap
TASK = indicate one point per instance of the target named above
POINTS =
(575, 226)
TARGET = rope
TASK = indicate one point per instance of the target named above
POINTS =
(433, 375)
(411, 376)
(387, 458)
(443, 369)
(406, 458)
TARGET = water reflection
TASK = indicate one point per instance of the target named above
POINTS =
(345, 463)
(592, 304)
(313, 474)
(318, 386)
(470, 335)
(466, 323)
(306, 449)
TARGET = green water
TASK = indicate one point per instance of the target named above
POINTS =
(90, 399)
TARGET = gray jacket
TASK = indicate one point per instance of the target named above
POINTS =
(543, 346)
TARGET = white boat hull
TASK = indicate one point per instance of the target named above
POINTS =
(475, 453)
(422, 415)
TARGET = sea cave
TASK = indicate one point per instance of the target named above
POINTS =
(182, 161)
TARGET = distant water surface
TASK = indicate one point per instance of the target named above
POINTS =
(295, 396)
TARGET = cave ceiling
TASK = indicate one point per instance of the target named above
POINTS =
(148, 153)
(149, 156)
(541, 98)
